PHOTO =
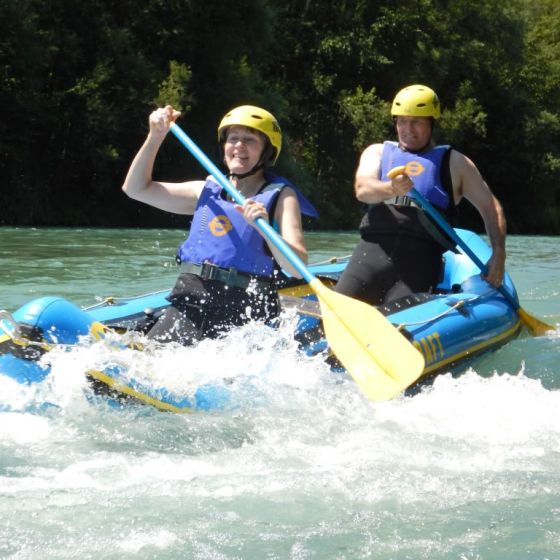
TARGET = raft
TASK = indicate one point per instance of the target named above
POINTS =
(464, 318)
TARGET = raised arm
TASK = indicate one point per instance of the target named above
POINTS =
(179, 198)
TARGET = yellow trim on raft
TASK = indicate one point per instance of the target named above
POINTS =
(110, 382)
(304, 289)
(499, 338)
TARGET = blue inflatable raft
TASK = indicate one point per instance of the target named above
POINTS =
(463, 319)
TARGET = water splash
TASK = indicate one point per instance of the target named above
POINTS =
(301, 466)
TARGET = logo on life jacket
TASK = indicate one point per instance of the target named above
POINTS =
(220, 226)
(414, 168)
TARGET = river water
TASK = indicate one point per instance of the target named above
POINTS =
(468, 469)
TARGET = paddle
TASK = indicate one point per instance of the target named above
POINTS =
(379, 358)
(536, 326)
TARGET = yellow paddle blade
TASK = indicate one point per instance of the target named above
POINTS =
(536, 326)
(381, 360)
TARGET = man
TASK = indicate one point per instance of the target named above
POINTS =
(400, 249)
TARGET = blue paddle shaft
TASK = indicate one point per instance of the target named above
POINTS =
(436, 216)
(264, 227)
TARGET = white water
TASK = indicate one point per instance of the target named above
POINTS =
(301, 466)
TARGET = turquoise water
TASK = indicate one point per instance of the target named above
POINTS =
(305, 469)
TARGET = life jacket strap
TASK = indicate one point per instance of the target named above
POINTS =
(402, 201)
(230, 276)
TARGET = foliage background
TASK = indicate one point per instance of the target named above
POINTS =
(78, 79)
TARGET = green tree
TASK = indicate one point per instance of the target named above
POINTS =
(539, 82)
(78, 80)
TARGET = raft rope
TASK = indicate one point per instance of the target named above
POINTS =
(331, 260)
(112, 300)
(17, 336)
(458, 305)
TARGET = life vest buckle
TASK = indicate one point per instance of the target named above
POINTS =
(230, 276)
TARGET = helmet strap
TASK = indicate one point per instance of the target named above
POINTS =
(257, 167)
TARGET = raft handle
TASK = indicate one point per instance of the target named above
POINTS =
(6, 318)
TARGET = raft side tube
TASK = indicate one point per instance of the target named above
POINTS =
(60, 321)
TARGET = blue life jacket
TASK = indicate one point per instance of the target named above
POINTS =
(219, 234)
(423, 169)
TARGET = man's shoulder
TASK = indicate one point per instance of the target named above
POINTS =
(374, 149)
(457, 158)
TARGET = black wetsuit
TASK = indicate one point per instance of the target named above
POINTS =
(205, 308)
(400, 250)
(397, 257)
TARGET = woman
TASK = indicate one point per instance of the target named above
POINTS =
(228, 270)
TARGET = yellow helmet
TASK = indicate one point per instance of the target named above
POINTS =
(416, 101)
(258, 119)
